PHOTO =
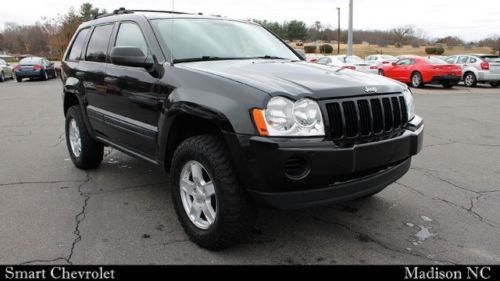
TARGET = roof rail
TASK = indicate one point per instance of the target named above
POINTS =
(122, 11)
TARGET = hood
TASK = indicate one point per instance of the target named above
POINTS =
(296, 79)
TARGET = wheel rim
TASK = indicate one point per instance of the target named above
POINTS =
(198, 195)
(415, 80)
(46, 76)
(74, 138)
(469, 80)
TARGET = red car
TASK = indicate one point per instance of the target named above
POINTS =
(418, 71)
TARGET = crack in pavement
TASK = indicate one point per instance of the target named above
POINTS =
(59, 140)
(469, 209)
(39, 182)
(380, 243)
(79, 218)
(128, 188)
(44, 261)
(458, 142)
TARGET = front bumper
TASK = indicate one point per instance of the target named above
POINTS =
(332, 174)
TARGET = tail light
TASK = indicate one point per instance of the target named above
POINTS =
(37, 67)
(373, 67)
(485, 65)
(17, 68)
(349, 67)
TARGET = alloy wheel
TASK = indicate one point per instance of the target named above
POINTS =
(198, 195)
(74, 138)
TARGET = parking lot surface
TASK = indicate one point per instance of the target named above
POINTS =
(445, 210)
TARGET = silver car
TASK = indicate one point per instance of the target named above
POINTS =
(5, 71)
(478, 68)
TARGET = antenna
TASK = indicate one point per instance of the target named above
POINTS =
(172, 35)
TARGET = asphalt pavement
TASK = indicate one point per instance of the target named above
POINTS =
(445, 210)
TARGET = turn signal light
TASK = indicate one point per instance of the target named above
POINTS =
(260, 122)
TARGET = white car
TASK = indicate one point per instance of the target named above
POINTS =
(478, 68)
(380, 60)
(356, 63)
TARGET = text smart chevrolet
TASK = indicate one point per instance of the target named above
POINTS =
(234, 115)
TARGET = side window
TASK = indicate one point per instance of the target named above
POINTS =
(403, 62)
(130, 35)
(451, 60)
(472, 60)
(462, 59)
(76, 49)
(98, 44)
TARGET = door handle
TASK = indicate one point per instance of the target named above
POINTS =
(110, 80)
(146, 102)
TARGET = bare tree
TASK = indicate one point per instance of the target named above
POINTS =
(401, 33)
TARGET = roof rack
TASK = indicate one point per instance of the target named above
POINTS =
(122, 11)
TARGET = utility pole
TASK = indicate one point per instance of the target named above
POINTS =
(349, 35)
(338, 32)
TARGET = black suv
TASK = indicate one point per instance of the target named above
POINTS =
(234, 114)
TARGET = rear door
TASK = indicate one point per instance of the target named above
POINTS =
(91, 72)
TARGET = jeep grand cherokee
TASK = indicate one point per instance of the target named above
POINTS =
(235, 115)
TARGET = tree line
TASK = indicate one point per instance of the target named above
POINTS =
(50, 37)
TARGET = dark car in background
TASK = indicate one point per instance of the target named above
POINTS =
(35, 68)
(5, 71)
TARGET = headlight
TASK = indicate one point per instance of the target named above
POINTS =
(410, 104)
(283, 117)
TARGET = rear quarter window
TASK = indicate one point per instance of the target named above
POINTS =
(76, 48)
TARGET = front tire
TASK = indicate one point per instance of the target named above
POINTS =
(2, 77)
(85, 152)
(470, 79)
(416, 80)
(211, 205)
(380, 72)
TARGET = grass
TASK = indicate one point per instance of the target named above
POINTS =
(366, 50)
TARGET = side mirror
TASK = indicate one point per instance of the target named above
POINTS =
(130, 56)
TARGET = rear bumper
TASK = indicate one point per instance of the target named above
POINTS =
(29, 74)
(330, 173)
(487, 76)
(446, 79)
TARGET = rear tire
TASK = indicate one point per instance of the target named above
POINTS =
(45, 76)
(19, 79)
(85, 152)
(2, 77)
(234, 214)
(416, 80)
(470, 79)
(495, 84)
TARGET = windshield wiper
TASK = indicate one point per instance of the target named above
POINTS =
(267, 57)
(205, 58)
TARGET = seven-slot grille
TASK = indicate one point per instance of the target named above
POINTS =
(366, 116)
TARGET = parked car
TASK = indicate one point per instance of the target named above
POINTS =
(313, 57)
(478, 68)
(5, 71)
(380, 60)
(340, 61)
(359, 64)
(418, 71)
(235, 126)
(34, 68)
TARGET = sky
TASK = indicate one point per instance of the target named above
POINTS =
(437, 18)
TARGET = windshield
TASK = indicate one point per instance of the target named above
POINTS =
(30, 61)
(204, 39)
